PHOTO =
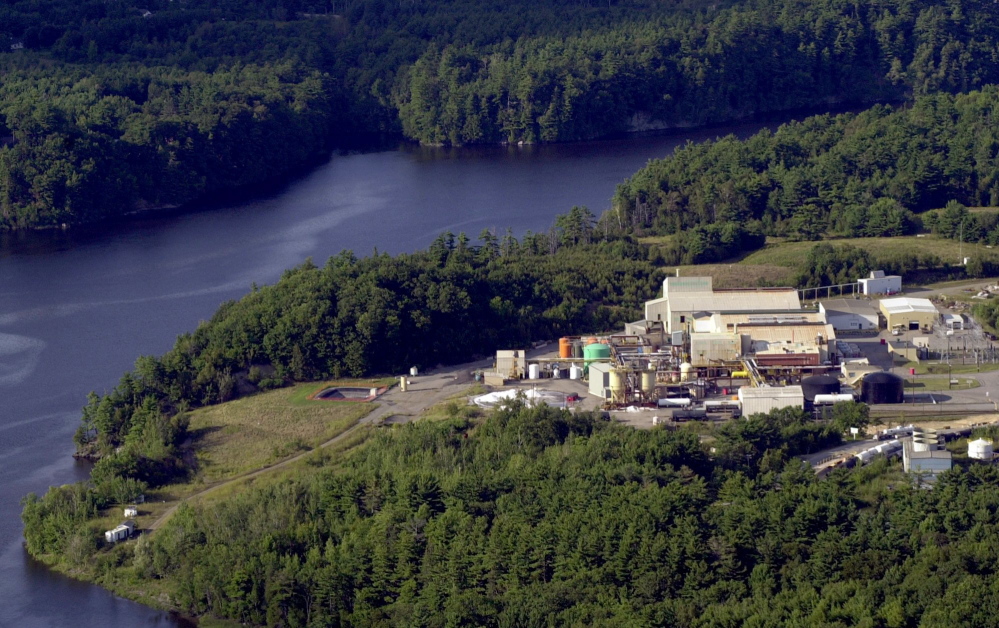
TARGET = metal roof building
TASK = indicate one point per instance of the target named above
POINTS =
(763, 400)
(909, 312)
(850, 314)
(683, 297)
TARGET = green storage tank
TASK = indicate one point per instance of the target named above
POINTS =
(594, 352)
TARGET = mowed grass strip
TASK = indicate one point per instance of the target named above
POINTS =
(792, 254)
(741, 275)
(249, 433)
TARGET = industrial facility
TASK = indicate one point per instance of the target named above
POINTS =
(707, 354)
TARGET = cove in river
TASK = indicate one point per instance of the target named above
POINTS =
(77, 307)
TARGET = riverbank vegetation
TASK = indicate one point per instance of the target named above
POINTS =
(852, 175)
(106, 108)
(539, 515)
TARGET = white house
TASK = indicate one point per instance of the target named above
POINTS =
(879, 283)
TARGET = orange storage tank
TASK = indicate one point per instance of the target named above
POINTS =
(564, 347)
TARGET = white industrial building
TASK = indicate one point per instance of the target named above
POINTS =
(121, 533)
(850, 314)
(879, 283)
(767, 398)
(685, 297)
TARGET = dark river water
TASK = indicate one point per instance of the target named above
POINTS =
(77, 308)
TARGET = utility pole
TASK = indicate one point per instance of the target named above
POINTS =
(961, 245)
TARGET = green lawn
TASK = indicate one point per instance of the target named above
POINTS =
(935, 384)
(248, 433)
(791, 254)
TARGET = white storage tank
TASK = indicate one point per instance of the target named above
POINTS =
(822, 400)
(533, 371)
(413, 371)
(980, 449)
(685, 369)
(674, 402)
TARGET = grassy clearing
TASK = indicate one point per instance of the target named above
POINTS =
(953, 369)
(742, 275)
(935, 384)
(792, 254)
(252, 432)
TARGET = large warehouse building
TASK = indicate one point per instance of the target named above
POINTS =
(683, 297)
(910, 313)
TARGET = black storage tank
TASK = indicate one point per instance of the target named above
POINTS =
(819, 385)
(882, 388)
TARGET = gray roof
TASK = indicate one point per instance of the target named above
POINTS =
(851, 306)
(776, 299)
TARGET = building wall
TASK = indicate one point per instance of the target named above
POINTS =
(657, 310)
(925, 319)
(599, 378)
(706, 349)
(752, 404)
(850, 320)
(882, 285)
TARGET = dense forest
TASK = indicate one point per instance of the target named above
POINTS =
(107, 108)
(860, 175)
(544, 517)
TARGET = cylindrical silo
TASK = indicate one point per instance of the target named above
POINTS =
(980, 449)
(617, 386)
(594, 352)
(819, 385)
(565, 348)
(880, 388)
(649, 382)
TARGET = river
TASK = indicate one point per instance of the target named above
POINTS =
(77, 307)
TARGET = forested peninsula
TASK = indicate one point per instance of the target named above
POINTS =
(107, 109)
(527, 513)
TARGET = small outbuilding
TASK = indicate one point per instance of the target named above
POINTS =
(121, 533)
(131, 511)
(600, 379)
(850, 314)
(953, 321)
(880, 283)
(764, 399)
(909, 313)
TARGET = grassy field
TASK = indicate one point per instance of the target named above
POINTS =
(953, 369)
(936, 384)
(742, 275)
(248, 433)
(791, 254)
